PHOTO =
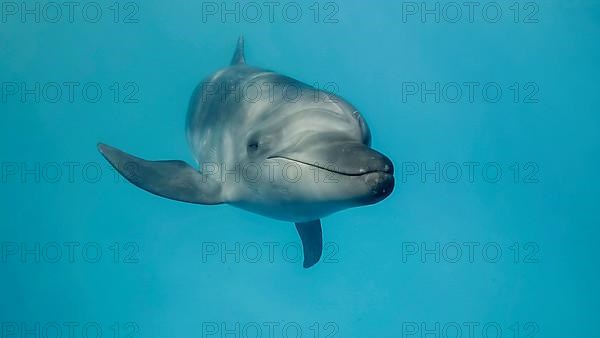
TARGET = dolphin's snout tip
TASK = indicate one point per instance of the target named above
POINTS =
(381, 185)
(375, 161)
(388, 166)
(379, 176)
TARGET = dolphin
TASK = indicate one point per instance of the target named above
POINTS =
(272, 145)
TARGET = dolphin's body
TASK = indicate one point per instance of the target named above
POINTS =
(271, 145)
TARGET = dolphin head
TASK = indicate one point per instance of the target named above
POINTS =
(315, 159)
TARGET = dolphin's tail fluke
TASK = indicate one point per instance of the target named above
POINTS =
(238, 56)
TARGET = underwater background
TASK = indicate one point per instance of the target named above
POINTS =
(489, 111)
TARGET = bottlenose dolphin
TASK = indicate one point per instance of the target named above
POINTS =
(272, 145)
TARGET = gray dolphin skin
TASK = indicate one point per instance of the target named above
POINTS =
(272, 145)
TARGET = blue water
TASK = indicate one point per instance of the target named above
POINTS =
(444, 254)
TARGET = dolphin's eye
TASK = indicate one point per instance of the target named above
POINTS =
(253, 146)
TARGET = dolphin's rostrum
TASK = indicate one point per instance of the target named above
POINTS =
(272, 145)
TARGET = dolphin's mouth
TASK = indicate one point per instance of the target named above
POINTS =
(386, 169)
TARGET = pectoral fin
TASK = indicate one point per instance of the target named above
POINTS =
(312, 241)
(171, 179)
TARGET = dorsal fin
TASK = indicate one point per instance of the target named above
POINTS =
(238, 56)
